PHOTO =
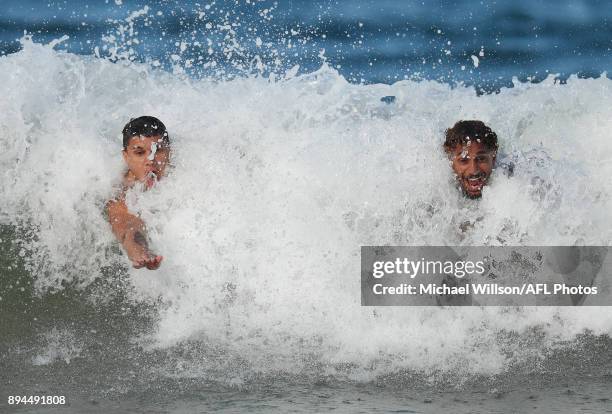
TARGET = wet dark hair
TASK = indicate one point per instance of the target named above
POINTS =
(465, 131)
(146, 126)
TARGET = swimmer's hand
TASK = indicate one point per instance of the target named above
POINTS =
(140, 256)
(151, 262)
(139, 253)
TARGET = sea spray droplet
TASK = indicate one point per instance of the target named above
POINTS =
(153, 151)
(475, 61)
(291, 73)
(56, 42)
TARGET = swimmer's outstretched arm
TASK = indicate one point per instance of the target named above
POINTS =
(130, 231)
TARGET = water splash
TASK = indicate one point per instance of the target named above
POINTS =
(275, 186)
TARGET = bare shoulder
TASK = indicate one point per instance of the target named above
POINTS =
(118, 216)
(116, 205)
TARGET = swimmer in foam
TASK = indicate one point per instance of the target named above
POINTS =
(146, 152)
(472, 148)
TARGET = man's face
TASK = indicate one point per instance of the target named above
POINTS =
(146, 158)
(472, 164)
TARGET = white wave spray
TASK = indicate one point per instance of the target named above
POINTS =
(277, 184)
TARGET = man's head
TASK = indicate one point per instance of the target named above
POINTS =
(471, 147)
(146, 148)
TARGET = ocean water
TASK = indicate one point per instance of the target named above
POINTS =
(280, 173)
(481, 43)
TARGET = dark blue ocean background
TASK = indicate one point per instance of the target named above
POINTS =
(482, 43)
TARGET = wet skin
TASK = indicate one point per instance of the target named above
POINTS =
(472, 164)
(146, 158)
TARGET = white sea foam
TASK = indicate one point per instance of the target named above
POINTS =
(59, 345)
(275, 187)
